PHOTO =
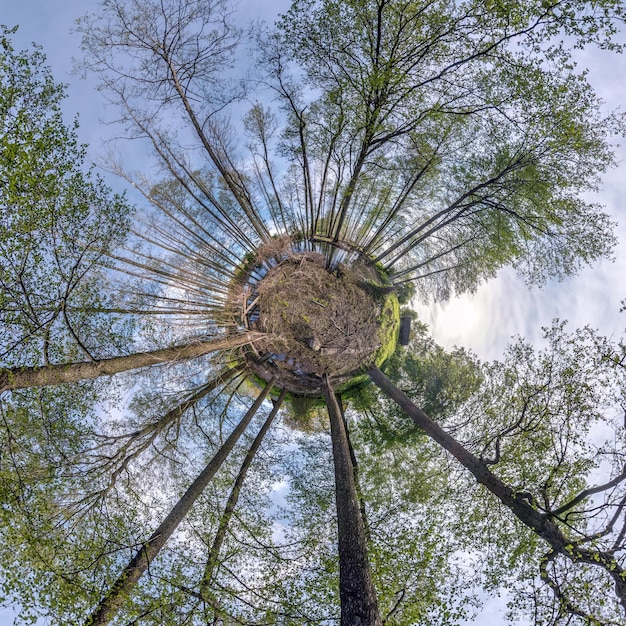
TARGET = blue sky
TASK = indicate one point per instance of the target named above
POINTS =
(484, 321)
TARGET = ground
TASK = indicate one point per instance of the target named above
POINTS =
(320, 318)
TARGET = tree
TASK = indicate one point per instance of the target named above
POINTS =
(358, 596)
(415, 143)
(395, 111)
(58, 223)
(529, 441)
(147, 552)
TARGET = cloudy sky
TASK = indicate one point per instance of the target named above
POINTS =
(506, 306)
(483, 321)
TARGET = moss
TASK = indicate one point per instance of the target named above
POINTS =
(351, 386)
(389, 329)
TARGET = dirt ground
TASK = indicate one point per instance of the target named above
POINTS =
(318, 322)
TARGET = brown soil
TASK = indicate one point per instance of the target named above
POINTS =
(317, 322)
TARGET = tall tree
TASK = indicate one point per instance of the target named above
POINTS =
(111, 602)
(426, 143)
(529, 433)
(212, 561)
(405, 89)
(57, 224)
(27, 377)
(356, 588)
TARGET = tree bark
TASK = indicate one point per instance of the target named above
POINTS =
(44, 375)
(123, 586)
(520, 503)
(355, 470)
(359, 605)
(216, 547)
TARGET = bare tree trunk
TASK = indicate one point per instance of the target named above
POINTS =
(349, 192)
(355, 470)
(24, 377)
(212, 559)
(123, 586)
(359, 605)
(520, 503)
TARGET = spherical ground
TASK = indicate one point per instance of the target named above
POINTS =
(319, 322)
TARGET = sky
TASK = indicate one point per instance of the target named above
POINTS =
(506, 306)
(483, 322)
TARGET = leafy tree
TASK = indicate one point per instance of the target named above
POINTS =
(424, 144)
(534, 437)
(439, 381)
(58, 223)
(406, 88)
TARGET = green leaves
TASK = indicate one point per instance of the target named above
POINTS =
(441, 140)
(479, 147)
(542, 430)
(438, 381)
(56, 223)
(536, 410)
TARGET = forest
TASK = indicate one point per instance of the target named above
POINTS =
(217, 402)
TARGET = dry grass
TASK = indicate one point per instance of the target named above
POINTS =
(318, 322)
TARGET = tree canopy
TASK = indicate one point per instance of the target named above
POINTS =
(205, 417)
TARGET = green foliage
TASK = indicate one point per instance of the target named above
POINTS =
(306, 414)
(467, 179)
(438, 381)
(56, 224)
(537, 410)
(549, 423)
(46, 528)
(435, 141)
(409, 543)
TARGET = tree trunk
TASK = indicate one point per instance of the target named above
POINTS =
(214, 553)
(478, 468)
(140, 440)
(520, 503)
(359, 605)
(123, 586)
(355, 471)
(24, 377)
